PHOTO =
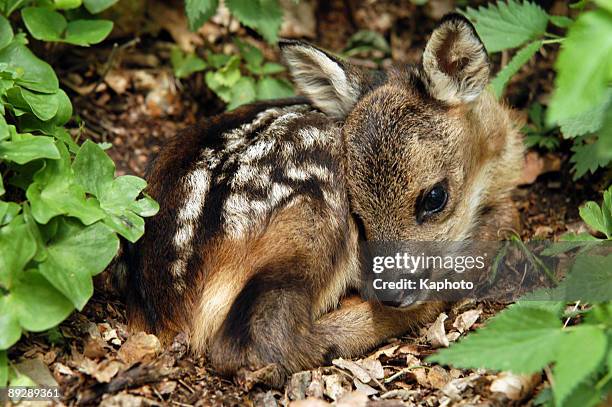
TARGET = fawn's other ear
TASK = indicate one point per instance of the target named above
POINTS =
(330, 84)
(455, 61)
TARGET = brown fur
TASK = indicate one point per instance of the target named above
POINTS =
(263, 208)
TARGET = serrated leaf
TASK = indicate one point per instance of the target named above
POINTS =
(530, 335)
(518, 60)
(264, 16)
(590, 279)
(28, 148)
(35, 74)
(583, 67)
(44, 24)
(590, 121)
(573, 364)
(87, 32)
(6, 32)
(98, 6)
(508, 25)
(199, 11)
(76, 254)
(588, 157)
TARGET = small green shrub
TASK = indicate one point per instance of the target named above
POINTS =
(264, 16)
(580, 104)
(236, 79)
(529, 335)
(61, 206)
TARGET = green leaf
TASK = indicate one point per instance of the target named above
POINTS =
(8, 212)
(37, 305)
(574, 364)
(271, 88)
(520, 58)
(530, 335)
(508, 25)
(55, 191)
(271, 68)
(2, 191)
(184, 65)
(93, 168)
(145, 206)
(3, 364)
(43, 105)
(28, 148)
(584, 68)
(6, 32)
(97, 6)
(584, 395)
(87, 32)
(66, 4)
(10, 331)
(199, 11)
(590, 279)
(588, 157)
(561, 21)
(254, 57)
(587, 122)
(35, 74)
(44, 24)
(264, 16)
(593, 216)
(17, 246)
(74, 255)
(242, 92)
(8, 6)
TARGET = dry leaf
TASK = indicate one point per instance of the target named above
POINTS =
(373, 367)
(140, 347)
(436, 335)
(298, 385)
(364, 388)
(455, 387)
(453, 336)
(334, 386)
(353, 399)
(513, 386)
(38, 371)
(357, 371)
(387, 351)
(464, 321)
(309, 403)
(438, 377)
(316, 388)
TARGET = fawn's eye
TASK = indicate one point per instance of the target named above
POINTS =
(432, 202)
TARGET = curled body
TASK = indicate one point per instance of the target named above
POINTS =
(262, 209)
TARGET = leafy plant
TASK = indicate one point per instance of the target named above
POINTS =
(264, 16)
(365, 41)
(236, 79)
(534, 335)
(580, 103)
(538, 133)
(61, 206)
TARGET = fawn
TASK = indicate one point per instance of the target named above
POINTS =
(262, 209)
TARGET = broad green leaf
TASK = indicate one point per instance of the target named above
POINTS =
(271, 68)
(28, 148)
(184, 65)
(4, 129)
(597, 217)
(508, 25)
(35, 75)
(56, 192)
(530, 335)
(264, 16)
(37, 304)
(145, 206)
(87, 32)
(97, 6)
(10, 331)
(584, 67)
(3, 364)
(573, 362)
(520, 58)
(584, 395)
(66, 4)
(93, 168)
(6, 32)
(242, 92)
(17, 246)
(127, 224)
(43, 105)
(272, 88)
(8, 212)
(8, 6)
(74, 255)
(561, 21)
(30, 222)
(590, 279)
(199, 11)
(44, 24)
(587, 122)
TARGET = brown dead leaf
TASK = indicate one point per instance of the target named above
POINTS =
(118, 80)
(364, 388)
(438, 377)
(173, 20)
(335, 386)
(455, 387)
(94, 347)
(436, 335)
(464, 321)
(353, 399)
(513, 386)
(126, 400)
(140, 347)
(309, 403)
(316, 389)
(535, 164)
(453, 336)
(373, 367)
(356, 370)
(103, 372)
(298, 385)
(387, 351)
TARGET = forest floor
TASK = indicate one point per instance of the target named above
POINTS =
(125, 94)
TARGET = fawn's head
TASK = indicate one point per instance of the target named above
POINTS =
(428, 151)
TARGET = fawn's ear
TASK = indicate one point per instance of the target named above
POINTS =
(455, 61)
(330, 84)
